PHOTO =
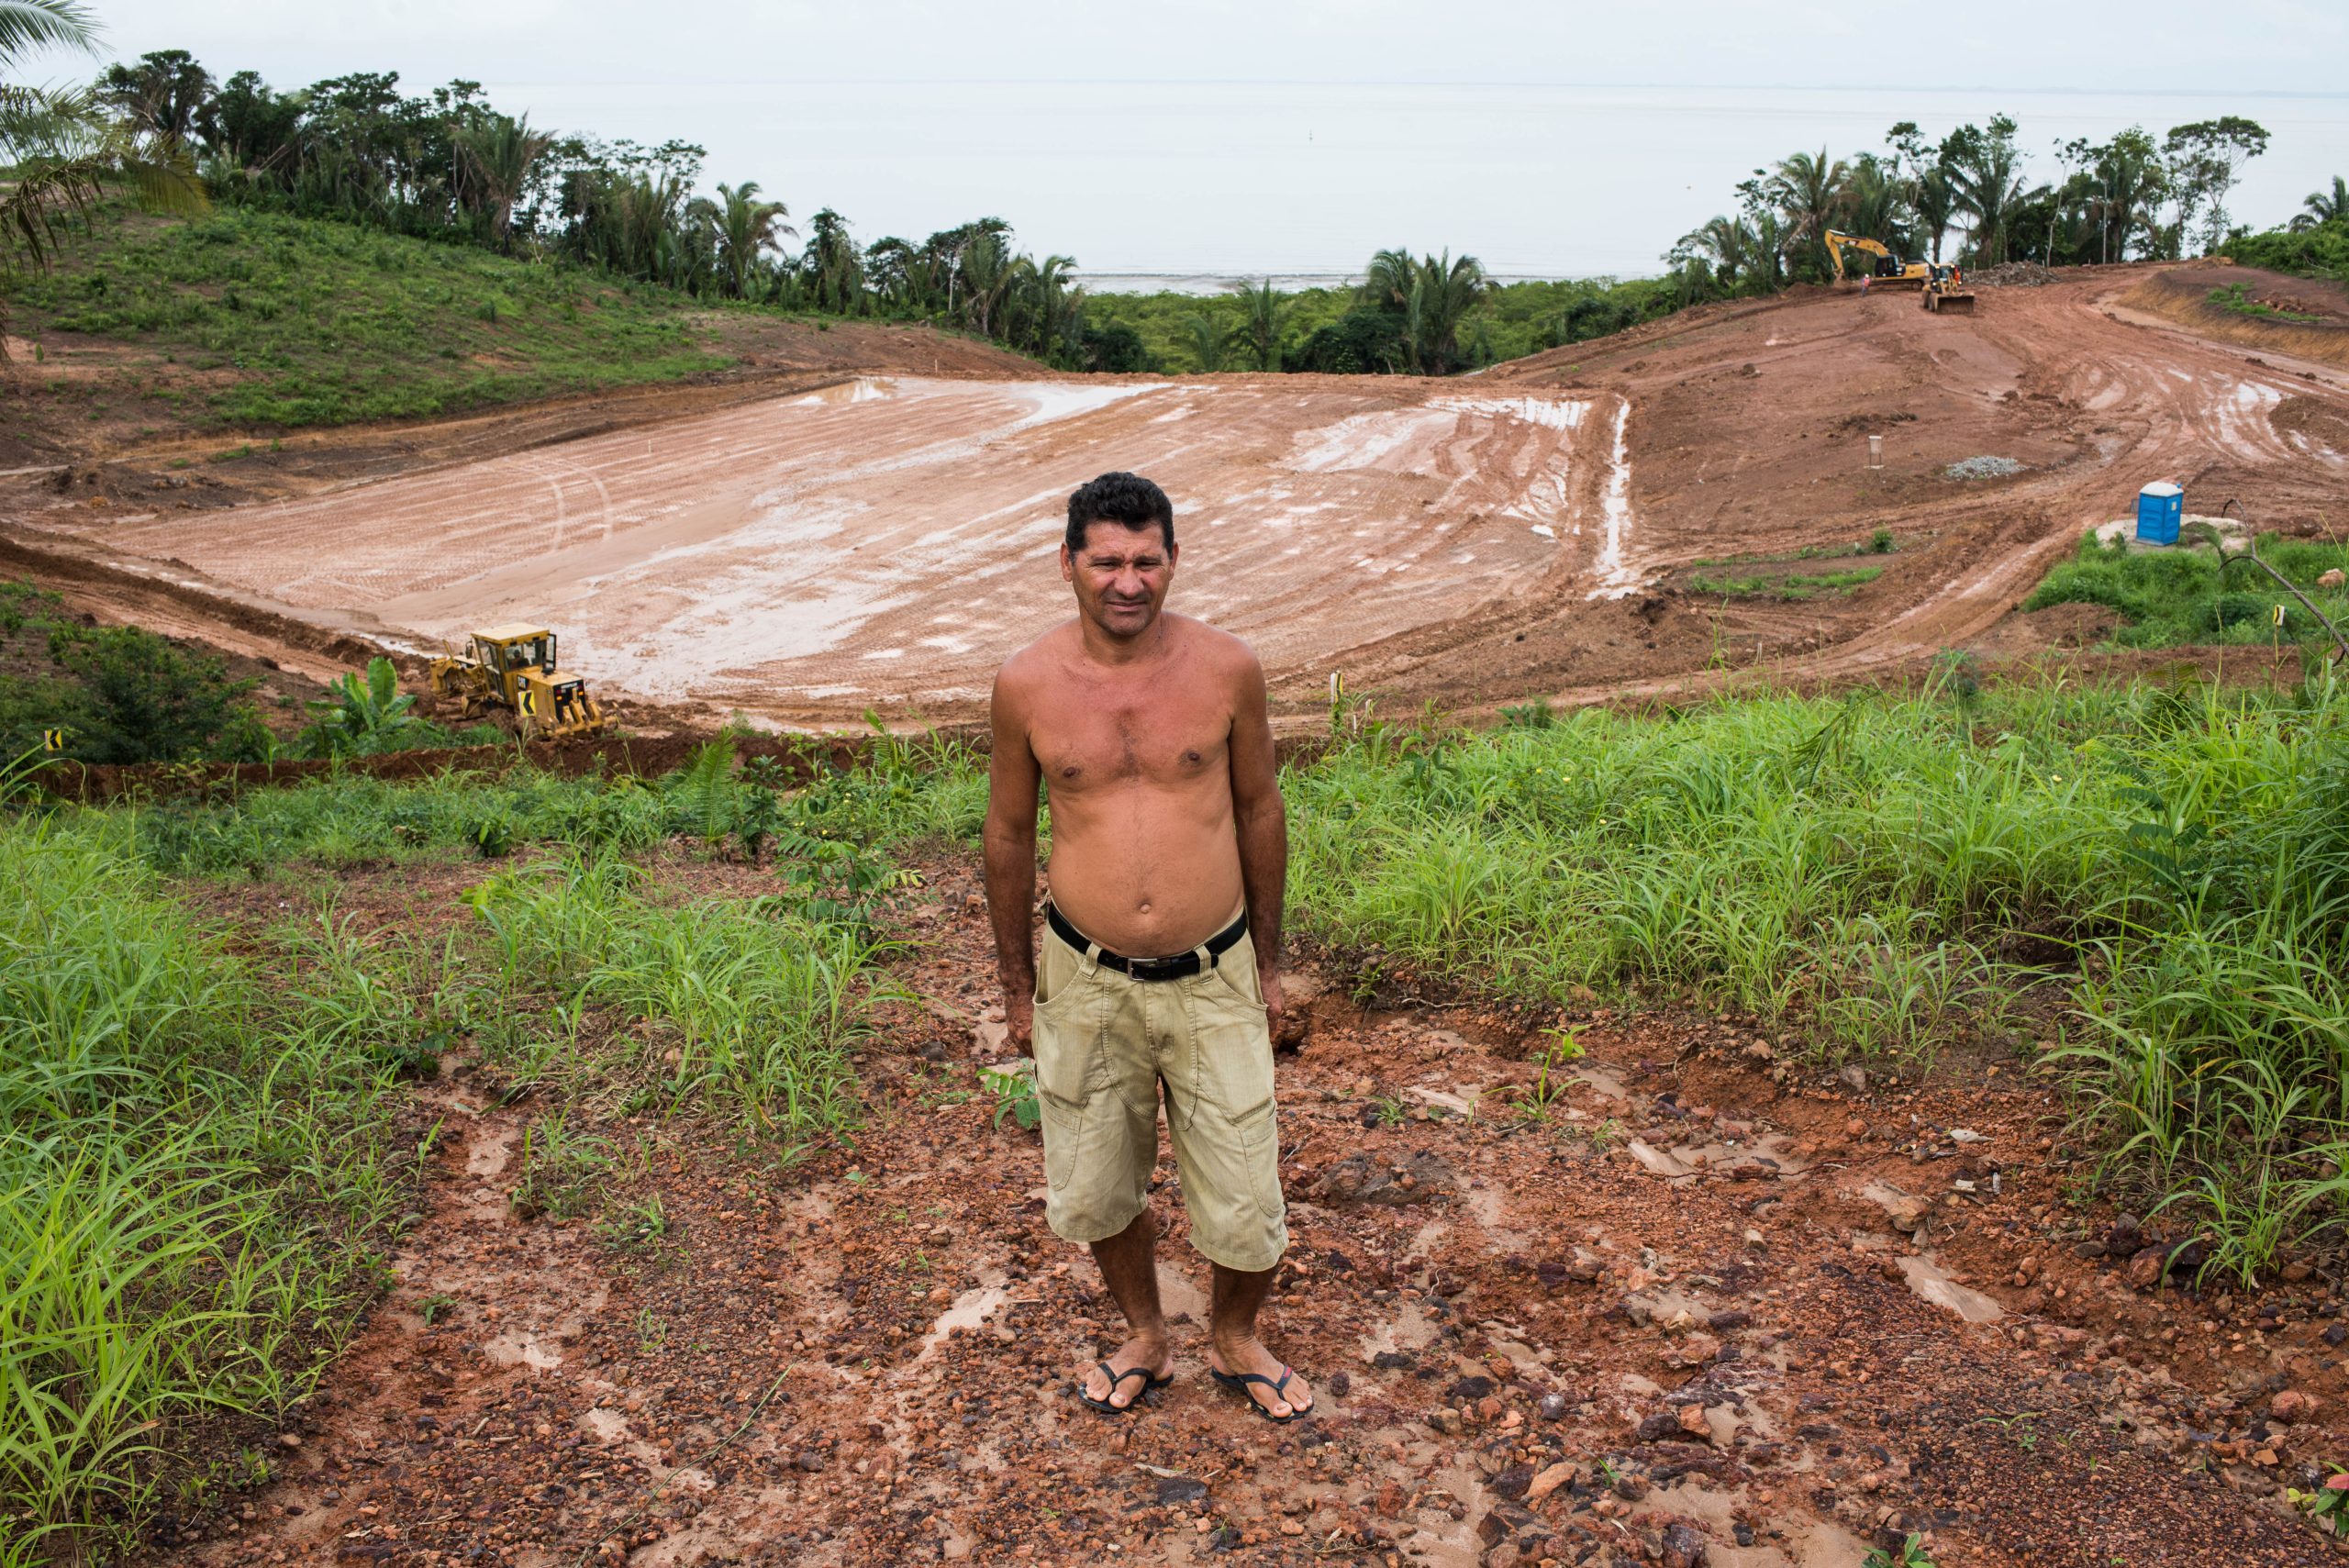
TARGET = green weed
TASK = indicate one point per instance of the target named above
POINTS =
(1015, 1093)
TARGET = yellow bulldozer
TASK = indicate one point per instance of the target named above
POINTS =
(1888, 272)
(513, 668)
(1946, 293)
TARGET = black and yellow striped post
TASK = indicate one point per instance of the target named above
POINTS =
(52, 740)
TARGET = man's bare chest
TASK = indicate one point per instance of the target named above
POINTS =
(1087, 746)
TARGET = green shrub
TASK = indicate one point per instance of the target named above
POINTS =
(2321, 251)
(144, 700)
(2175, 596)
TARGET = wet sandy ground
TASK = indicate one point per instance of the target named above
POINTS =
(1716, 1308)
(889, 539)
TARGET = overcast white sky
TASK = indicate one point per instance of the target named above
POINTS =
(2248, 46)
(1291, 137)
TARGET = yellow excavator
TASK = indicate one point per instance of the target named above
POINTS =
(1946, 293)
(1890, 271)
(513, 668)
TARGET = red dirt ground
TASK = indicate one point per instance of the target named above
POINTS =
(810, 555)
(1714, 1298)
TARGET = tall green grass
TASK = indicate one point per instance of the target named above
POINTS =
(2171, 597)
(754, 1007)
(2151, 885)
(194, 1168)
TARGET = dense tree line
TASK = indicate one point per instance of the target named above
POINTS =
(1970, 198)
(449, 165)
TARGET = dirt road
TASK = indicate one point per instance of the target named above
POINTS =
(1708, 1301)
(1546, 528)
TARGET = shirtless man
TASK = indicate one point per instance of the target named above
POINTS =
(1161, 939)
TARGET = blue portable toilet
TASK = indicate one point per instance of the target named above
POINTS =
(2161, 507)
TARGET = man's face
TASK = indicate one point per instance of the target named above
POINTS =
(1120, 576)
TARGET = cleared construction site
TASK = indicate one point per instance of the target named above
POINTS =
(882, 539)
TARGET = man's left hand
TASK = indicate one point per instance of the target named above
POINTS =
(1276, 1004)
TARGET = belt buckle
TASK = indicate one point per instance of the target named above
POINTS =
(1159, 968)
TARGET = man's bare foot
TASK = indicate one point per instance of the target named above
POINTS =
(1144, 1352)
(1250, 1355)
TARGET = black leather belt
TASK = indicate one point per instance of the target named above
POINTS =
(1177, 966)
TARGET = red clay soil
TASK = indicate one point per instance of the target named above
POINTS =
(1717, 1307)
(2313, 313)
(883, 543)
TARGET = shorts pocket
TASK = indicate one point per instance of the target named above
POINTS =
(1063, 1129)
(1260, 1148)
(1068, 1053)
(1071, 990)
(1224, 978)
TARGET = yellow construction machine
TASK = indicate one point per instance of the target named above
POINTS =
(1890, 271)
(1946, 293)
(513, 668)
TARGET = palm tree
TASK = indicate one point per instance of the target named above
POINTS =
(494, 157)
(747, 228)
(1388, 282)
(2128, 184)
(1987, 185)
(1873, 205)
(1263, 313)
(1207, 340)
(65, 151)
(1047, 313)
(1448, 290)
(986, 276)
(1808, 191)
(833, 267)
(1435, 295)
(1936, 205)
(2326, 206)
(1729, 250)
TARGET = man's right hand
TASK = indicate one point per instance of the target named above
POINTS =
(1019, 1021)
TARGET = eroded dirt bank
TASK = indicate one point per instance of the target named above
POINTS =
(1715, 1307)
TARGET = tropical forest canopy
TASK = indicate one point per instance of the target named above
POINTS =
(447, 165)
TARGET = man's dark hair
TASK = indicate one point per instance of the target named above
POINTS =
(1126, 499)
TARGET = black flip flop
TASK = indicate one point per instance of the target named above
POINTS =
(1238, 1383)
(1117, 1379)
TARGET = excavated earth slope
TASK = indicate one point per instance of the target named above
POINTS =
(1553, 526)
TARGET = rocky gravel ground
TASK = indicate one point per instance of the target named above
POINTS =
(1710, 1303)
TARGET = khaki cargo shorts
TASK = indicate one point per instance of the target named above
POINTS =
(1104, 1042)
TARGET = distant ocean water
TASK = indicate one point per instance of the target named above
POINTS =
(1188, 185)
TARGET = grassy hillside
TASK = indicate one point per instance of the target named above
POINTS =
(244, 318)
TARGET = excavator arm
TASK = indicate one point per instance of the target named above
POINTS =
(1836, 241)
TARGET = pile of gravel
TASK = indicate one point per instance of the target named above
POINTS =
(1983, 468)
(2012, 275)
